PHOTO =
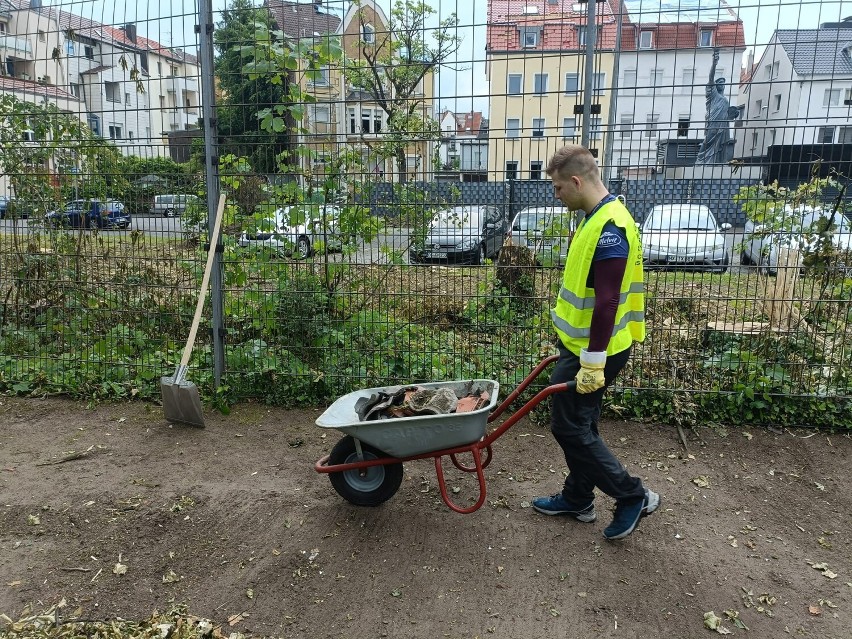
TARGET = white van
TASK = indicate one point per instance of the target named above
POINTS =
(172, 205)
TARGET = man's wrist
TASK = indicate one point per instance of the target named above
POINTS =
(592, 357)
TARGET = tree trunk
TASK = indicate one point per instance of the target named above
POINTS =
(401, 166)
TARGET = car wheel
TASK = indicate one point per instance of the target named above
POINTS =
(745, 260)
(724, 264)
(93, 223)
(168, 213)
(303, 247)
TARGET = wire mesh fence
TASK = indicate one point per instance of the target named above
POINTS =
(389, 214)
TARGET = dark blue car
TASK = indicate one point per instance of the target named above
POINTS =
(93, 214)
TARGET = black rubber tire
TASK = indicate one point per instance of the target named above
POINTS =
(379, 484)
(723, 267)
(168, 213)
(480, 259)
(303, 247)
(745, 260)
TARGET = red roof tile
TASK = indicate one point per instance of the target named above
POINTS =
(26, 86)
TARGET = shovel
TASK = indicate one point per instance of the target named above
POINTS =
(181, 402)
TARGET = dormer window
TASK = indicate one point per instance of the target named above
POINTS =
(529, 37)
(368, 33)
(646, 39)
(705, 38)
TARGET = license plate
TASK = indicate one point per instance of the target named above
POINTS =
(678, 258)
(436, 254)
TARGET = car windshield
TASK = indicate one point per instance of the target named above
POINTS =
(692, 218)
(455, 218)
(535, 219)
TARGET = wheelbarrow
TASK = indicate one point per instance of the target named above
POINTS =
(365, 467)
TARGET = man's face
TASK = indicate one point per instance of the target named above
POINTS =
(566, 190)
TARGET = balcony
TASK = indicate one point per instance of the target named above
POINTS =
(16, 47)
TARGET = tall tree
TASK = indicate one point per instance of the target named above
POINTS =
(242, 97)
(393, 67)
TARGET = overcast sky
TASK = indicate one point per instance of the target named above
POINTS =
(463, 87)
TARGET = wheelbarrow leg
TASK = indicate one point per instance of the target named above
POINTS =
(442, 484)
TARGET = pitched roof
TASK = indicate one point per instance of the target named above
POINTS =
(26, 86)
(818, 51)
(301, 19)
(684, 35)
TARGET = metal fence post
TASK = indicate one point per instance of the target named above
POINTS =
(211, 162)
(589, 80)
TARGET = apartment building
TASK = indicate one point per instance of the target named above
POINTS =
(345, 116)
(535, 65)
(663, 69)
(799, 92)
(464, 145)
(129, 89)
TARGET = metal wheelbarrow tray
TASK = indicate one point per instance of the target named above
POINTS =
(365, 467)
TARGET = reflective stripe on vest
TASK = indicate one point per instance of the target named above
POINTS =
(572, 315)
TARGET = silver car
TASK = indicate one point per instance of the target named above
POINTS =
(296, 230)
(684, 235)
(800, 230)
(544, 230)
(462, 235)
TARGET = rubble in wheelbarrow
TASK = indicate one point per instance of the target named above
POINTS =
(410, 401)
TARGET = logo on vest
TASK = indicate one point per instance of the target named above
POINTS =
(609, 239)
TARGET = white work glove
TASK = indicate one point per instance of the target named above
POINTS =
(591, 374)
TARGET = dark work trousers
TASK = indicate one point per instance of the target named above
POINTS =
(574, 423)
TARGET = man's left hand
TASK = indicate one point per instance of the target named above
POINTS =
(591, 374)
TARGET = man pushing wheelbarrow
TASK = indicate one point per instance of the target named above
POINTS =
(599, 313)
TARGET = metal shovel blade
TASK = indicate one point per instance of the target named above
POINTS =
(181, 402)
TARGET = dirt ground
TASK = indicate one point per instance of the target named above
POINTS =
(233, 521)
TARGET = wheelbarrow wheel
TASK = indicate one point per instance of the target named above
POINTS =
(368, 486)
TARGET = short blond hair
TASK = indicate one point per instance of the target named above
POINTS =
(574, 159)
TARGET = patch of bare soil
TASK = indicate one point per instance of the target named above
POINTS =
(233, 521)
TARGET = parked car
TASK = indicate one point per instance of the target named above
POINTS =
(463, 235)
(544, 230)
(299, 230)
(100, 214)
(172, 205)
(802, 229)
(684, 235)
(4, 206)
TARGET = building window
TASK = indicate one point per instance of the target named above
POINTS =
(682, 126)
(651, 123)
(320, 77)
(75, 90)
(826, 135)
(581, 36)
(515, 84)
(366, 120)
(705, 38)
(754, 139)
(529, 37)
(378, 120)
(89, 52)
(771, 137)
(758, 107)
(535, 170)
(540, 83)
(127, 98)
(595, 130)
(688, 78)
(845, 135)
(831, 97)
(572, 83)
(626, 128)
(513, 128)
(646, 39)
(569, 128)
(538, 127)
(114, 131)
(776, 67)
(599, 83)
(511, 170)
(656, 77)
(368, 33)
(629, 78)
(174, 72)
(159, 68)
(113, 91)
(353, 122)
(847, 97)
(130, 135)
(42, 36)
(776, 102)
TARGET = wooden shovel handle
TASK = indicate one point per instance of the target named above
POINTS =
(214, 240)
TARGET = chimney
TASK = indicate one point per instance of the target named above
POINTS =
(130, 30)
(35, 4)
(750, 61)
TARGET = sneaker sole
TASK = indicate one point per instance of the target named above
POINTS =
(586, 517)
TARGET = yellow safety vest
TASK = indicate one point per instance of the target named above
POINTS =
(572, 315)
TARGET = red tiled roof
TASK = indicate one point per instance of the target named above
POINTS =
(683, 35)
(27, 86)
(469, 123)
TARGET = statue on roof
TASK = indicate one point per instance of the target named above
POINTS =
(716, 147)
